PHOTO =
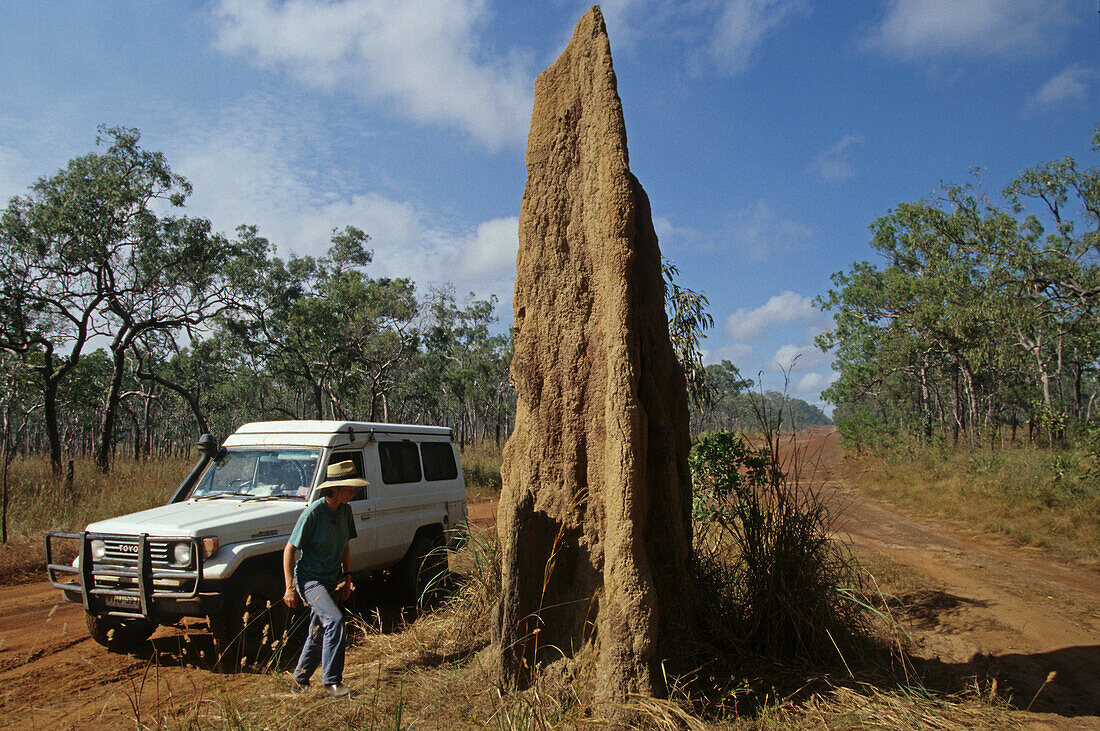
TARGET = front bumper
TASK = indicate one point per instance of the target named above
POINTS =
(134, 579)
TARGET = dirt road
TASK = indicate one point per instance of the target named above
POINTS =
(986, 608)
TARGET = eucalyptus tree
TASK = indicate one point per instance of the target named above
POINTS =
(983, 312)
(49, 285)
(688, 321)
(1058, 268)
(921, 322)
(324, 324)
(462, 376)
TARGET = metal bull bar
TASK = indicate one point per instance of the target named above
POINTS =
(124, 581)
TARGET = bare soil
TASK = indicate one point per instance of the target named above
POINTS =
(974, 606)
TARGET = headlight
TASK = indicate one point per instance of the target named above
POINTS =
(181, 554)
(99, 549)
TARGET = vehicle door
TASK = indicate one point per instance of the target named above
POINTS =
(362, 509)
(399, 502)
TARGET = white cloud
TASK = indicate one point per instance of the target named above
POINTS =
(733, 352)
(253, 166)
(760, 234)
(782, 308)
(835, 164)
(800, 356)
(743, 27)
(1071, 84)
(815, 383)
(426, 59)
(493, 248)
(918, 29)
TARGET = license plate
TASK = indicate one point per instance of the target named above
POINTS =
(122, 602)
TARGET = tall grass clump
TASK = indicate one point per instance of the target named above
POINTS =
(773, 580)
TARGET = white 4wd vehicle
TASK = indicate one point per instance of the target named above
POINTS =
(215, 549)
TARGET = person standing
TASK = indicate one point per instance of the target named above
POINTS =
(320, 576)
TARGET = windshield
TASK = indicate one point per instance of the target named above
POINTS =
(260, 473)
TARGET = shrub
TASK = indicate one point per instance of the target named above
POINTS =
(771, 577)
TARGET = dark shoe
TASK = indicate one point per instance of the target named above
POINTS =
(337, 691)
(296, 687)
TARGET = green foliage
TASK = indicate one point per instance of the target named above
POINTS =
(688, 321)
(859, 429)
(724, 468)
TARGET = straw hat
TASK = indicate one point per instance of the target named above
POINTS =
(342, 474)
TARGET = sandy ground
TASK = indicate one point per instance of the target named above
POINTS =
(987, 609)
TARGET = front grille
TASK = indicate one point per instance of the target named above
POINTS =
(119, 568)
(124, 552)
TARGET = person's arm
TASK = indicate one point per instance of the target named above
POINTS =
(345, 564)
(290, 596)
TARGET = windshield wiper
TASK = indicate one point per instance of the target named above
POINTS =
(218, 495)
(257, 498)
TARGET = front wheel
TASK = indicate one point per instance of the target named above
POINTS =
(254, 626)
(119, 635)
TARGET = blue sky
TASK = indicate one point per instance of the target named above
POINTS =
(768, 133)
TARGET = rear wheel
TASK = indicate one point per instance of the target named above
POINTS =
(117, 634)
(418, 578)
(254, 626)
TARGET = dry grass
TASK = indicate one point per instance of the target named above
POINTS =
(439, 671)
(38, 502)
(869, 707)
(481, 468)
(1038, 497)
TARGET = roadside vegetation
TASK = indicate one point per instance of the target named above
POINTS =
(967, 357)
(1030, 493)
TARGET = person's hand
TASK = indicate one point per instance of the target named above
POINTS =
(345, 589)
(290, 598)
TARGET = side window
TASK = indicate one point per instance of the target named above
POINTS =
(439, 461)
(400, 462)
(355, 456)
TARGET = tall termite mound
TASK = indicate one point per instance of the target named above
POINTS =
(595, 513)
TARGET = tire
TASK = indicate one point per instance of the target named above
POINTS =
(418, 578)
(119, 635)
(254, 627)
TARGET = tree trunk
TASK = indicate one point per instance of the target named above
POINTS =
(5, 459)
(956, 424)
(110, 409)
(926, 399)
(49, 413)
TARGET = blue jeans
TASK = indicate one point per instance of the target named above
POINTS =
(325, 641)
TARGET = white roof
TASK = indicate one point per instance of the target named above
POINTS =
(310, 433)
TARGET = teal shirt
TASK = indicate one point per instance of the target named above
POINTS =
(321, 535)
